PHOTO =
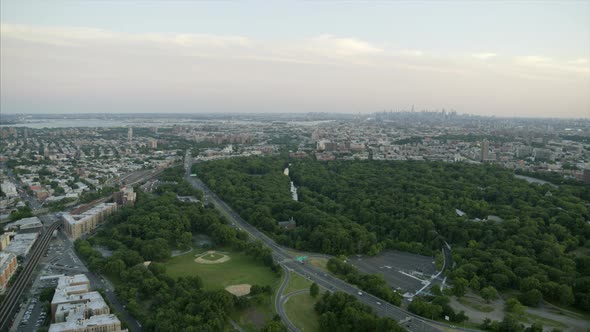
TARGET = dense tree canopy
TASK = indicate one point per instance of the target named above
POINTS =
(348, 207)
(147, 232)
(343, 312)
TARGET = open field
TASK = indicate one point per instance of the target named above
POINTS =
(319, 262)
(297, 282)
(300, 310)
(240, 269)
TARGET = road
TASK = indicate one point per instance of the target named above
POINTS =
(416, 323)
(280, 301)
(284, 316)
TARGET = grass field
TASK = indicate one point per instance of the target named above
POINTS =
(300, 310)
(296, 282)
(240, 269)
(319, 262)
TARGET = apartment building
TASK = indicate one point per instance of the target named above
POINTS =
(8, 265)
(76, 309)
(80, 224)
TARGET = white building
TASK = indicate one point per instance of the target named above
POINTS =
(75, 309)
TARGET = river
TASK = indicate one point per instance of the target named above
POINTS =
(293, 188)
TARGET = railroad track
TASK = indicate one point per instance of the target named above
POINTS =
(14, 293)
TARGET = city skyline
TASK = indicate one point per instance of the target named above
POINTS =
(251, 57)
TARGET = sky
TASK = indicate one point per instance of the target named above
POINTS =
(501, 58)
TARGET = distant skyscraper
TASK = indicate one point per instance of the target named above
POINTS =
(130, 134)
(485, 150)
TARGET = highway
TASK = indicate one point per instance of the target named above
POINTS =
(384, 309)
(14, 293)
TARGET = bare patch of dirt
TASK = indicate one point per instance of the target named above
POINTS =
(239, 290)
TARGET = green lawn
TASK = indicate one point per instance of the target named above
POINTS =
(296, 282)
(300, 310)
(240, 269)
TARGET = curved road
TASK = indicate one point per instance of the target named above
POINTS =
(284, 300)
(280, 254)
(280, 301)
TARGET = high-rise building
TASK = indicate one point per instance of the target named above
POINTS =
(485, 150)
(154, 144)
(130, 134)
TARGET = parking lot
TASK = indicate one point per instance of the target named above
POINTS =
(404, 272)
(60, 258)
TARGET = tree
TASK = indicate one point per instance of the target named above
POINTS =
(566, 295)
(474, 283)
(489, 293)
(274, 326)
(46, 294)
(460, 286)
(531, 298)
(535, 327)
(314, 290)
(515, 307)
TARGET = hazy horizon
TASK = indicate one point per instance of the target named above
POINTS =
(494, 59)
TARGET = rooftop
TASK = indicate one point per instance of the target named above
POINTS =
(77, 321)
(21, 244)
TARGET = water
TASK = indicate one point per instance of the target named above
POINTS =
(294, 192)
(108, 123)
(293, 188)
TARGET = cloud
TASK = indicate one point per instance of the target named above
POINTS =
(410, 53)
(533, 59)
(324, 49)
(80, 36)
(579, 66)
(580, 61)
(484, 56)
(324, 72)
(331, 46)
